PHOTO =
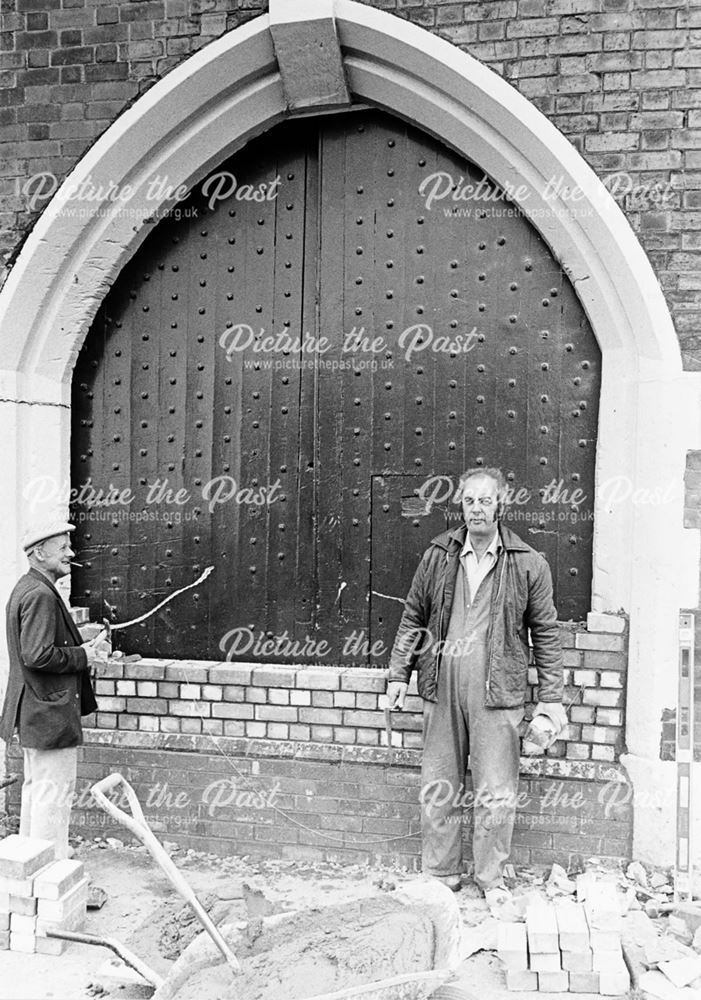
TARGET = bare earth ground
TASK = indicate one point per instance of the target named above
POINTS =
(146, 914)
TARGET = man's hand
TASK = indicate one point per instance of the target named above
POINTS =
(95, 654)
(396, 693)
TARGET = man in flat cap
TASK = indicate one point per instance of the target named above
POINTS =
(49, 685)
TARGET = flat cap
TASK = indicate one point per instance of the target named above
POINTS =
(45, 529)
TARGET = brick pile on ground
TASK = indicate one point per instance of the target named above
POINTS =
(567, 945)
(38, 894)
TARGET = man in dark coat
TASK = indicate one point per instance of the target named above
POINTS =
(49, 685)
(477, 592)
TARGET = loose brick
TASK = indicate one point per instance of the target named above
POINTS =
(56, 910)
(584, 982)
(512, 946)
(607, 961)
(573, 930)
(545, 961)
(615, 981)
(49, 946)
(26, 906)
(553, 982)
(22, 942)
(21, 924)
(58, 878)
(577, 961)
(518, 979)
(21, 857)
(72, 920)
(605, 941)
(541, 926)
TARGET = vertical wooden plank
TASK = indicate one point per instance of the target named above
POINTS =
(330, 452)
(392, 202)
(113, 534)
(145, 311)
(289, 371)
(356, 381)
(168, 483)
(579, 408)
(229, 519)
(305, 591)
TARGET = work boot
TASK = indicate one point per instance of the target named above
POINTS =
(451, 881)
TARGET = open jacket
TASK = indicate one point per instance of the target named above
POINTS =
(49, 684)
(522, 599)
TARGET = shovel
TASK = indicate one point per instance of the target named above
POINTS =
(140, 828)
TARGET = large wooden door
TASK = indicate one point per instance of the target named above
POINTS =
(277, 380)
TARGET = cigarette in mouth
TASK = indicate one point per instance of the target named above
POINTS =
(77, 564)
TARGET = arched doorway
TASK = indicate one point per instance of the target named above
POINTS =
(289, 377)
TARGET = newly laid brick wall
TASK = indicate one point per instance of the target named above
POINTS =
(197, 739)
(620, 78)
(266, 798)
(340, 704)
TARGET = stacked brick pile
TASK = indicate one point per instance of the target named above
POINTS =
(568, 946)
(38, 894)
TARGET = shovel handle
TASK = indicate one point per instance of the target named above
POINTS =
(137, 821)
(140, 828)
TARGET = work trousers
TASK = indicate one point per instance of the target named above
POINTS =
(47, 795)
(457, 724)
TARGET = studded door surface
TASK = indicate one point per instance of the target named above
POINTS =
(288, 388)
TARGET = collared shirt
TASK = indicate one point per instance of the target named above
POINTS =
(476, 570)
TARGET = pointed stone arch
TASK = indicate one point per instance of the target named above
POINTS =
(257, 75)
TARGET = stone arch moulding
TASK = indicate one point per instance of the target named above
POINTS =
(307, 55)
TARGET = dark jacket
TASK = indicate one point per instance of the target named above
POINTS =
(522, 599)
(49, 684)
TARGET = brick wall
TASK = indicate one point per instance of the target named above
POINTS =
(620, 78)
(340, 704)
(316, 801)
(192, 735)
